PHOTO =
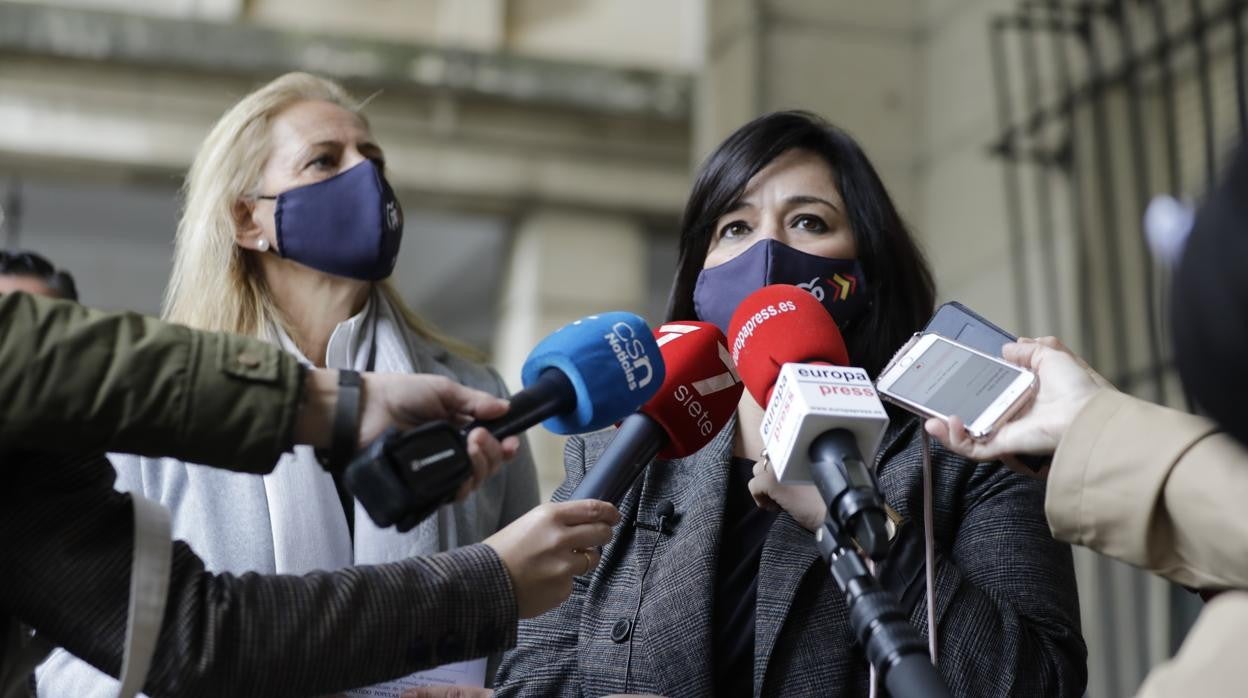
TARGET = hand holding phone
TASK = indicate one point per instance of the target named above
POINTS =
(965, 326)
(1066, 384)
(936, 377)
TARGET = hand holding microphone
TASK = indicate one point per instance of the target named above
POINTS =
(544, 549)
(583, 377)
(803, 502)
(407, 401)
(404, 401)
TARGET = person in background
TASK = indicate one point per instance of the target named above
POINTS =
(32, 273)
(289, 232)
(737, 600)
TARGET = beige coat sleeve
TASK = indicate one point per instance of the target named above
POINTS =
(1211, 661)
(1154, 487)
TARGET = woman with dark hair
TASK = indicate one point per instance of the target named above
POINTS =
(866, 220)
(731, 596)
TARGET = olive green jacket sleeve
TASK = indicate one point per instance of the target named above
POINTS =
(79, 380)
(1154, 487)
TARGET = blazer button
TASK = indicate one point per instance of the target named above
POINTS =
(621, 630)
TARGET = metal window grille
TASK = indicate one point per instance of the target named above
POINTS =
(1102, 105)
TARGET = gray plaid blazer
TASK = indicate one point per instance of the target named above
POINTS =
(1007, 606)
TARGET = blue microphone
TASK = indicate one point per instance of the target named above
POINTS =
(606, 367)
(585, 376)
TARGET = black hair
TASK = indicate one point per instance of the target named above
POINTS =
(1209, 300)
(902, 290)
(36, 266)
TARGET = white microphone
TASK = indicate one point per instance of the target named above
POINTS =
(819, 422)
(810, 400)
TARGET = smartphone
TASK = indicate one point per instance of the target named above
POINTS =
(964, 326)
(938, 377)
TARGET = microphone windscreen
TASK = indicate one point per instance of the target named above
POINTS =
(613, 363)
(702, 388)
(781, 324)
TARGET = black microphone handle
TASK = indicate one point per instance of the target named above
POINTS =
(914, 675)
(881, 627)
(404, 477)
(636, 443)
(550, 395)
(844, 480)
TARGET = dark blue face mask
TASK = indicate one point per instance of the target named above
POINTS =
(838, 283)
(348, 225)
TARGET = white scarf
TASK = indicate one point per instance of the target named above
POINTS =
(309, 528)
(305, 512)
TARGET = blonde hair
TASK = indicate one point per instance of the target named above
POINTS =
(215, 285)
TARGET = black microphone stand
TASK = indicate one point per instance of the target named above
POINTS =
(855, 512)
(893, 646)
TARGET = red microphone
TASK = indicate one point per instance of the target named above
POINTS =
(793, 360)
(777, 325)
(699, 395)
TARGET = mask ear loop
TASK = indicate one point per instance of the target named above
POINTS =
(275, 248)
(929, 545)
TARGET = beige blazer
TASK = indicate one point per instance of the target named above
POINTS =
(1163, 490)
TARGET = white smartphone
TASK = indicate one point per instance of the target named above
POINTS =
(937, 377)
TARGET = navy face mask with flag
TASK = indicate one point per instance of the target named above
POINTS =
(348, 225)
(839, 284)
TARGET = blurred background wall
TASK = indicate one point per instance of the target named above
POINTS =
(543, 150)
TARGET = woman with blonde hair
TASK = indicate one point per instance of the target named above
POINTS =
(289, 232)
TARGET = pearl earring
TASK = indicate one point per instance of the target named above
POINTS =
(262, 245)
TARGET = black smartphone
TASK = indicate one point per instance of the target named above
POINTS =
(967, 327)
